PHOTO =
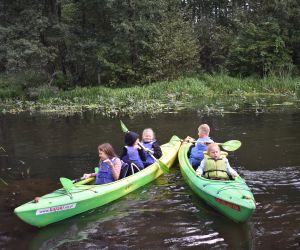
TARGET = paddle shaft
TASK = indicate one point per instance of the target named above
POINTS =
(231, 145)
(3, 181)
(148, 151)
(162, 166)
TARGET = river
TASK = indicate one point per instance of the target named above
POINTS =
(165, 214)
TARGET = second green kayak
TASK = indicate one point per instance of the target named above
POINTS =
(62, 204)
(232, 198)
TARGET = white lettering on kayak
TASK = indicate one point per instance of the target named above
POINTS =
(55, 209)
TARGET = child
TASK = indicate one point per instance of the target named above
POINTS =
(132, 152)
(215, 165)
(109, 166)
(196, 152)
(149, 142)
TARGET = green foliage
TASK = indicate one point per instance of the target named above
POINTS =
(19, 85)
(69, 43)
(151, 41)
(214, 41)
(9, 88)
(207, 93)
(259, 49)
(59, 80)
(42, 91)
(175, 47)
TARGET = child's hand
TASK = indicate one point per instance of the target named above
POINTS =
(189, 139)
(198, 172)
(108, 161)
(149, 151)
(86, 176)
(234, 176)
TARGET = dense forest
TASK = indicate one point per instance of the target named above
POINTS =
(67, 43)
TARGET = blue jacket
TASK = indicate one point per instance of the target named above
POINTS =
(132, 156)
(104, 174)
(196, 155)
(149, 160)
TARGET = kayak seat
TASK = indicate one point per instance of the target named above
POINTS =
(132, 169)
(124, 170)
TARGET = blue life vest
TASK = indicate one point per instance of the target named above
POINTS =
(149, 159)
(196, 155)
(133, 157)
(104, 174)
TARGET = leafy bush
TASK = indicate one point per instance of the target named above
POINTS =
(43, 91)
(9, 88)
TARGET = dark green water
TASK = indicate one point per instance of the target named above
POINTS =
(165, 213)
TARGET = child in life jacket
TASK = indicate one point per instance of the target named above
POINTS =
(151, 146)
(132, 152)
(196, 151)
(215, 165)
(109, 165)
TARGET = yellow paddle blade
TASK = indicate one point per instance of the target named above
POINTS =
(162, 166)
(124, 128)
(66, 183)
(231, 145)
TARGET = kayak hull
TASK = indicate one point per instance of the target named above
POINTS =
(232, 198)
(60, 204)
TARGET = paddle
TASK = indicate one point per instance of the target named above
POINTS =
(162, 166)
(3, 181)
(231, 145)
(66, 183)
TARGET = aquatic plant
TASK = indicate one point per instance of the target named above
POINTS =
(210, 94)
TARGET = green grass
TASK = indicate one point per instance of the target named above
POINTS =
(205, 92)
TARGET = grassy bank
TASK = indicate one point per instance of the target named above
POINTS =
(219, 93)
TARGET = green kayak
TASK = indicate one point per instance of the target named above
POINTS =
(62, 204)
(232, 198)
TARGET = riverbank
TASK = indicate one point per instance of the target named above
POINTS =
(207, 93)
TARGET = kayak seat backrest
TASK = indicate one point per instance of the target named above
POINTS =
(132, 169)
(124, 170)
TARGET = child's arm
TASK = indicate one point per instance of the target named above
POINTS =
(123, 153)
(115, 168)
(156, 150)
(230, 170)
(190, 149)
(142, 154)
(200, 169)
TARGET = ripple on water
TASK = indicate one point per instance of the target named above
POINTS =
(268, 180)
(196, 240)
(278, 205)
(4, 239)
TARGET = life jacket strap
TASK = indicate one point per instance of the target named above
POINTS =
(215, 170)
